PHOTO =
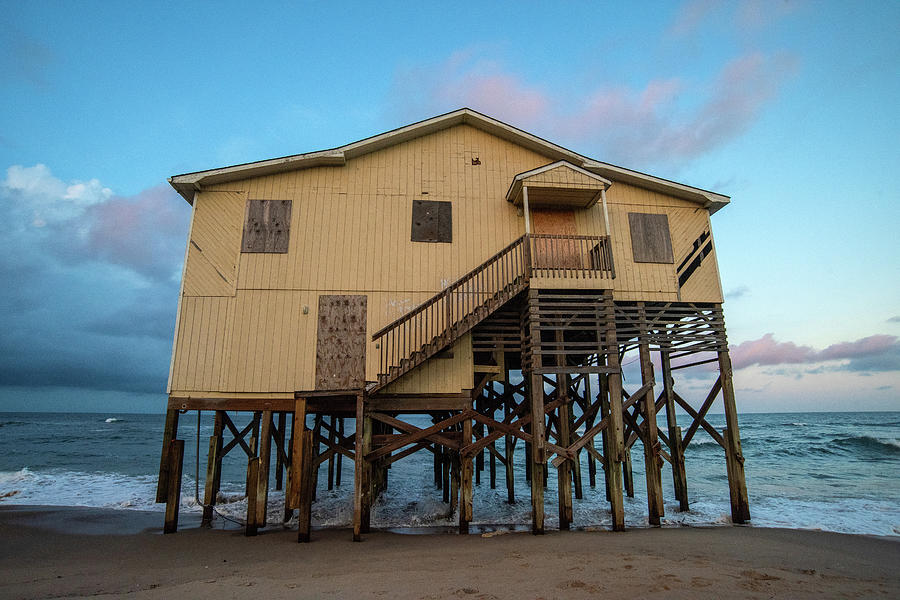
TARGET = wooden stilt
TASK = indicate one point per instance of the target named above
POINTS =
(615, 427)
(288, 509)
(332, 437)
(628, 473)
(465, 487)
(169, 433)
(358, 467)
(250, 529)
(175, 456)
(340, 457)
(438, 466)
(366, 520)
(299, 425)
(213, 471)
(279, 463)
(265, 460)
(576, 464)
(304, 512)
(493, 465)
(564, 471)
(676, 450)
(508, 446)
(737, 485)
(445, 475)
(538, 460)
(603, 395)
(454, 481)
(650, 440)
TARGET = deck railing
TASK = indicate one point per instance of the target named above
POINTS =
(444, 318)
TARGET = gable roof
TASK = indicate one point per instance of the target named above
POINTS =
(188, 183)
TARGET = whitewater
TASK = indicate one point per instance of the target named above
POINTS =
(829, 471)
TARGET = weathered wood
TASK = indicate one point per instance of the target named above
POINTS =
(296, 482)
(432, 221)
(655, 508)
(341, 342)
(304, 511)
(538, 461)
(174, 456)
(267, 226)
(563, 472)
(265, 460)
(252, 525)
(213, 471)
(279, 460)
(615, 429)
(737, 484)
(676, 449)
(169, 433)
(465, 487)
(416, 434)
(358, 465)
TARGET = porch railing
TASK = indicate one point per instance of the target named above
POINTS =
(441, 320)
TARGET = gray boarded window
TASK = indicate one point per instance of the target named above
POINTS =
(650, 240)
(267, 226)
(432, 221)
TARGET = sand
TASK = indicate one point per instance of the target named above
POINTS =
(72, 552)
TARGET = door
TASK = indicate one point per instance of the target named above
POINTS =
(553, 252)
(341, 343)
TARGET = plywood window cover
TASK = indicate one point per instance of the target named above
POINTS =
(432, 221)
(267, 225)
(650, 238)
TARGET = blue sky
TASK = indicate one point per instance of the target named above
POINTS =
(791, 108)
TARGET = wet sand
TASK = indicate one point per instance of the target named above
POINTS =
(77, 552)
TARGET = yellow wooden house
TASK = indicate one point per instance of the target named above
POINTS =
(414, 271)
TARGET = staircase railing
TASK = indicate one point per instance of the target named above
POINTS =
(435, 324)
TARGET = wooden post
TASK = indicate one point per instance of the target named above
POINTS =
(615, 426)
(304, 512)
(289, 450)
(331, 459)
(538, 460)
(265, 460)
(676, 450)
(628, 473)
(279, 464)
(737, 485)
(340, 457)
(655, 506)
(438, 466)
(169, 433)
(564, 471)
(465, 488)
(576, 464)
(359, 460)
(445, 475)
(508, 447)
(367, 474)
(213, 470)
(252, 499)
(175, 456)
(493, 465)
(454, 480)
(295, 481)
(603, 396)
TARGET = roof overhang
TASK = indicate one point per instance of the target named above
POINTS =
(189, 183)
(557, 185)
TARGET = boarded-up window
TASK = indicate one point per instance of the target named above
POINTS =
(431, 221)
(267, 225)
(341, 343)
(650, 240)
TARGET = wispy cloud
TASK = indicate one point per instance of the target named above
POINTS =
(637, 126)
(738, 292)
(873, 353)
(697, 17)
(895, 319)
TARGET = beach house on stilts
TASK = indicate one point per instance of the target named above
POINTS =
(458, 268)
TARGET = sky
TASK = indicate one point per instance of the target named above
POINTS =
(791, 108)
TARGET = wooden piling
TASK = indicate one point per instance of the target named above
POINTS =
(358, 468)
(279, 463)
(175, 457)
(564, 471)
(169, 433)
(465, 487)
(655, 508)
(304, 511)
(292, 498)
(538, 460)
(737, 484)
(213, 470)
(250, 529)
(265, 460)
(615, 427)
(676, 450)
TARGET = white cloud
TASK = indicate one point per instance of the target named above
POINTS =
(39, 197)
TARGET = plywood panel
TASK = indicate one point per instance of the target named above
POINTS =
(341, 342)
(211, 268)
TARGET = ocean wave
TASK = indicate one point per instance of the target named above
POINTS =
(113, 420)
(795, 424)
(868, 443)
(12, 423)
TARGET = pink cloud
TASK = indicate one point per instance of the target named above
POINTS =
(144, 232)
(629, 125)
(767, 351)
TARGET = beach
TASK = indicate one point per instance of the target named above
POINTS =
(79, 552)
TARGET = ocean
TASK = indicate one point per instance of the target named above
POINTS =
(828, 471)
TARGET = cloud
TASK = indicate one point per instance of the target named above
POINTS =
(873, 353)
(738, 292)
(700, 17)
(895, 319)
(85, 221)
(691, 15)
(91, 282)
(641, 125)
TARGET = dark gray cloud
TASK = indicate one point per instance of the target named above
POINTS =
(91, 283)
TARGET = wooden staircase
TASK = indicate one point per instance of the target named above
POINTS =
(437, 323)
